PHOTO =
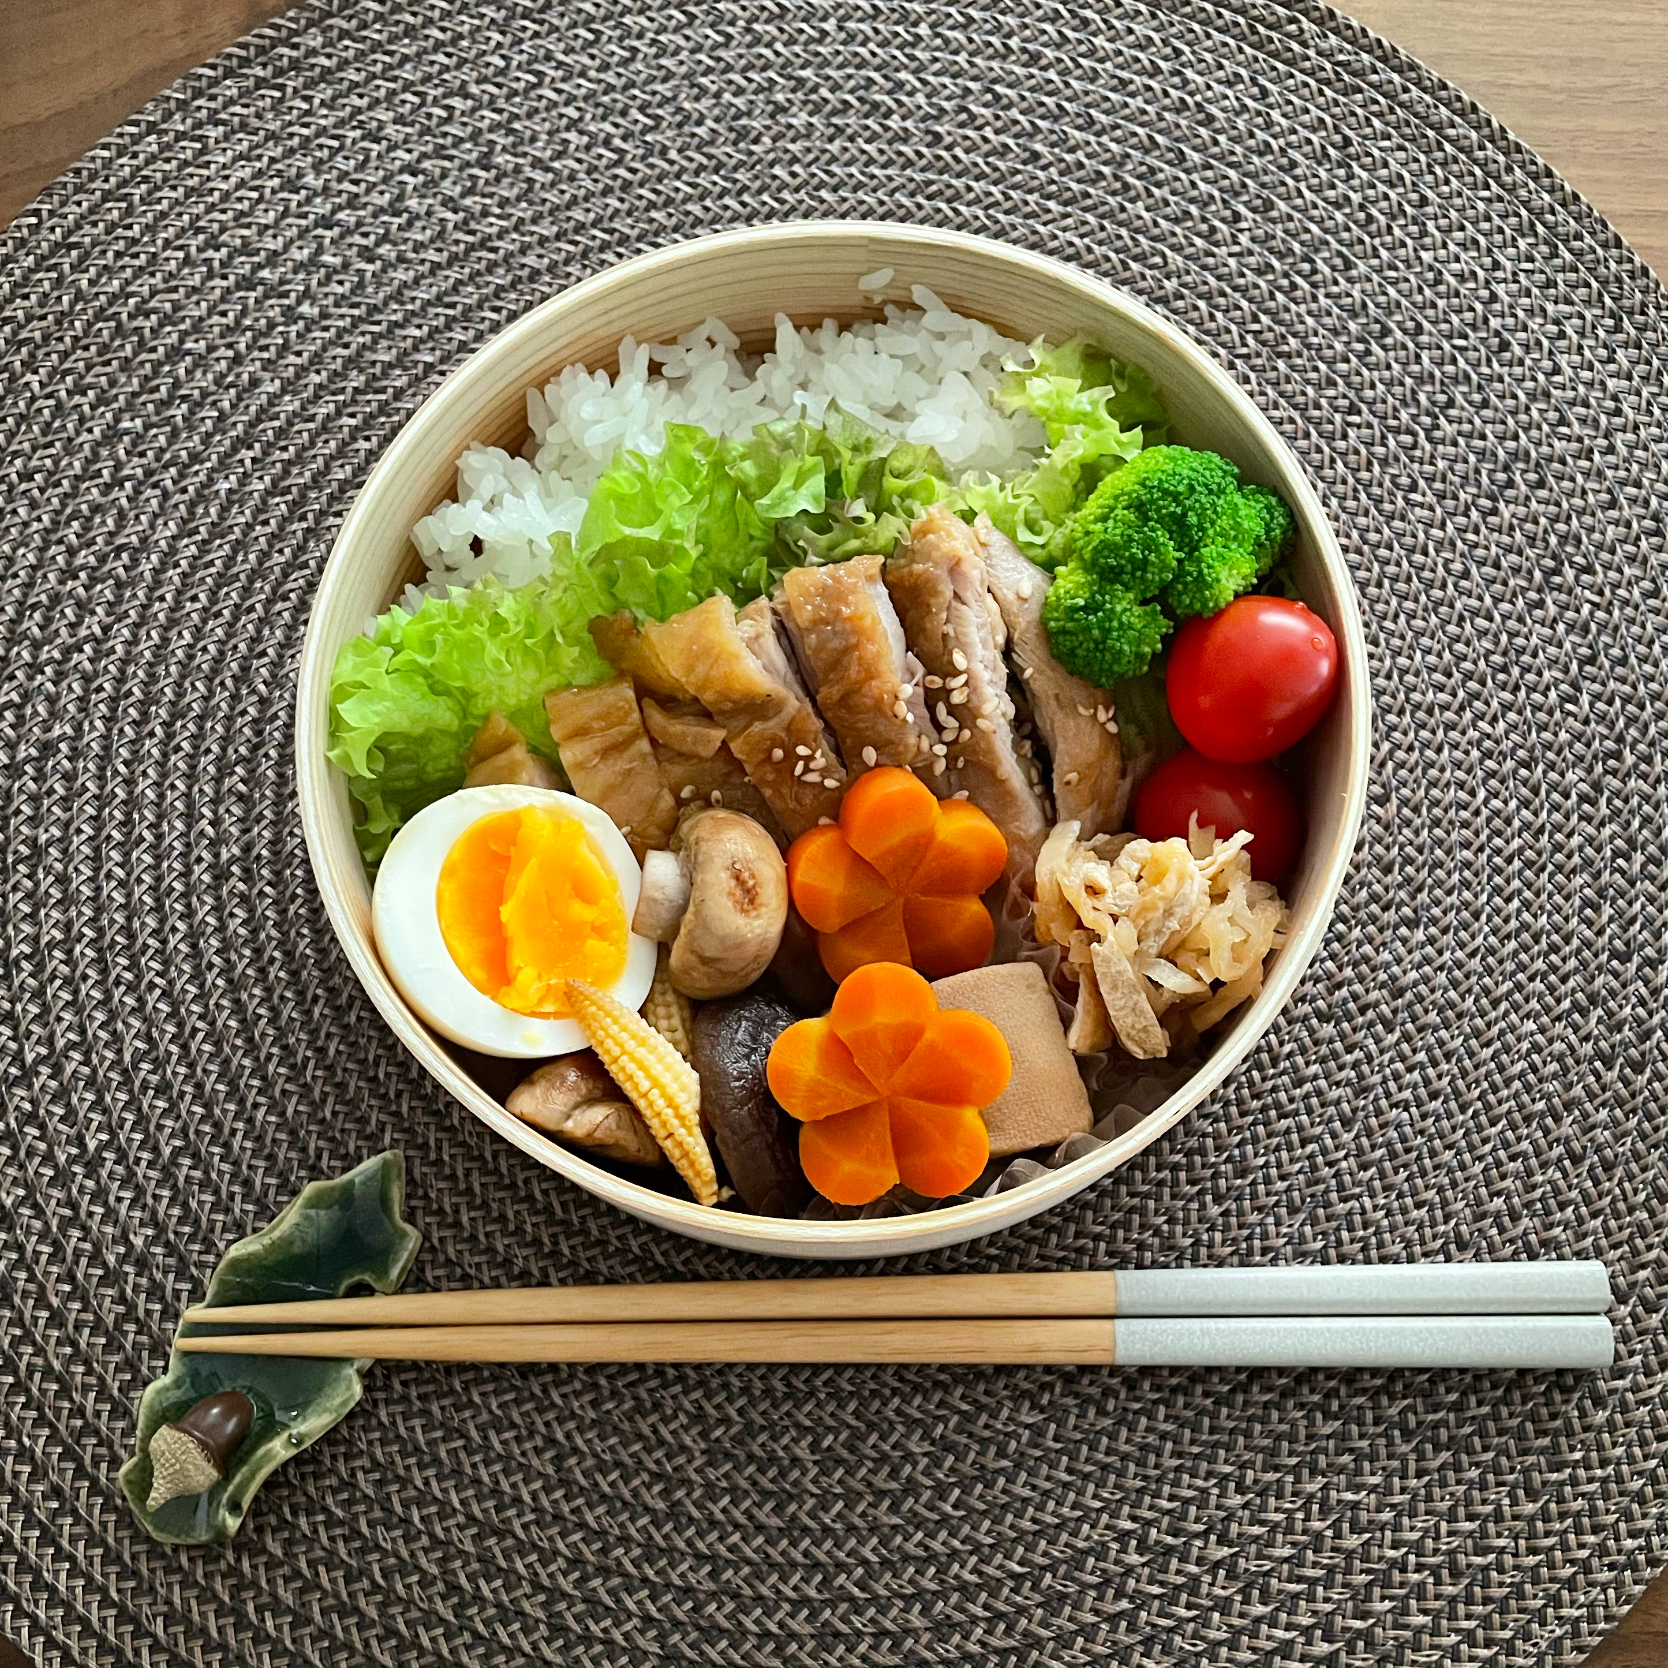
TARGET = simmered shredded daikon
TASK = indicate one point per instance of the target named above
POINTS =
(1173, 930)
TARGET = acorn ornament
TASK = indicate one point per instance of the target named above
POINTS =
(189, 1456)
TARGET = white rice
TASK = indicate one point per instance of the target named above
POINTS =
(924, 374)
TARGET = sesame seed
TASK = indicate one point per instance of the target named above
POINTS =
(830, 782)
(965, 734)
(944, 716)
(825, 822)
(905, 690)
(900, 709)
(938, 767)
(1111, 726)
(1101, 715)
(961, 795)
(1027, 672)
(799, 769)
(958, 659)
(1085, 712)
(940, 750)
(986, 707)
(688, 791)
(625, 827)
(805, 752)
(776, 755)
(932, 682)
(1023, 590)
(958, 763)
(956, 682)
(1069, 780)
(869, 757)
(717, 798)
(958, 697)
(985, 725)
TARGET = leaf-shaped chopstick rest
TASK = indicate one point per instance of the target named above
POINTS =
(332, 1236)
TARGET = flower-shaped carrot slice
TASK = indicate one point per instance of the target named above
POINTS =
(886, 1014)
(850, 1156)
(890, 1088)
(937, 1149)
(813, 1070)
(898, 878)
(890, 818)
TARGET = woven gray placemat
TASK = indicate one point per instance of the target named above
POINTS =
(213, 326)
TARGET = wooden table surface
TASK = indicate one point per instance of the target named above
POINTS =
(1582, 81)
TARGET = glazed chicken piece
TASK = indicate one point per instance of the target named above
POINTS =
(619, 641)
(847, 636)
(605, 750)
(715, 779)
(697, 765)
(1074, 718)
(499, 753)
(684, 726)
(738, 668)
(938, 585)
(690, 745)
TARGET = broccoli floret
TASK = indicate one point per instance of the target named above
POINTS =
(1276, 528)
(1099, 631)
(1169, 535)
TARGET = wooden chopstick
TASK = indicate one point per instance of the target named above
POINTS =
(1303, 1289)
(1424, 1341)
(861, 1297)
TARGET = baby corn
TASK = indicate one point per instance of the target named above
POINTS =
(661, 1084)
(668, 1010)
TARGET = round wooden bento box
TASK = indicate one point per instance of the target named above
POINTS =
(810, 271)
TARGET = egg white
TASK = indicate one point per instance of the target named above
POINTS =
(406, 922)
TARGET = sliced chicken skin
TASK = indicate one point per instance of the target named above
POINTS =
(938, 585)
(605, 750)
(1074, 718)
(847, 635)
(737, 667)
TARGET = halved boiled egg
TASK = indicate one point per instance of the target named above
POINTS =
(489, 899)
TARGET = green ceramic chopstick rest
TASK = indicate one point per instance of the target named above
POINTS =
(334, 1235)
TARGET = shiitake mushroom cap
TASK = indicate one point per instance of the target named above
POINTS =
(757, 1140)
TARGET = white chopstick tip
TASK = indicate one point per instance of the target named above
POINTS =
(1525, 1288)
(1418, 1342)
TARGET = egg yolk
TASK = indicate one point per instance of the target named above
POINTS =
(525, 901)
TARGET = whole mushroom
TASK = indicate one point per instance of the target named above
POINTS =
(576, 1101)
(719, 898)
(759, 1142)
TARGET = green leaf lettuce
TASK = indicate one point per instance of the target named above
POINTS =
(406, 700)
(1097, 412)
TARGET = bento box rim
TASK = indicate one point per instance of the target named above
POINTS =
(887, 1236)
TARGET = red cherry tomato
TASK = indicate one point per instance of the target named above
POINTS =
(1228, 797)
(1253, 680)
